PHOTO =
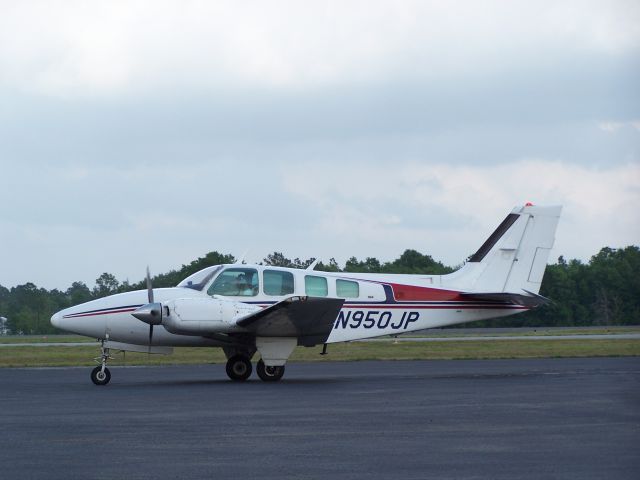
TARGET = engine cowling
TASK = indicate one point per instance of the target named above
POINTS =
(188, 316)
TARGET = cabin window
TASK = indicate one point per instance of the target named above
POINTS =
(236, 282)
(347, 289)
(315, 286)
(277, 282)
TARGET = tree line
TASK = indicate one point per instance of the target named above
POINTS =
(603, 291)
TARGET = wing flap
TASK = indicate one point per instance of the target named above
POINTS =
(310, 319)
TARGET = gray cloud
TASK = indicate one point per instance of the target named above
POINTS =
(546, 111)
(121, 149)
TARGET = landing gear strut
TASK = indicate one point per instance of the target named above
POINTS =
(101, 374)
(269, 374)
(239, 368)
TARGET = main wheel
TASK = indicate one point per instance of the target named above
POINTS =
(239, 368)
(269, 374)
(99, 377)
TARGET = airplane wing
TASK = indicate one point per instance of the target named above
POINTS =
(530, 300)
(310, 319)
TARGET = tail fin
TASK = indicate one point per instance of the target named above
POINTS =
(514, 257)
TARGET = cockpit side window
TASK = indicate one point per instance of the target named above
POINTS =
(235, 282)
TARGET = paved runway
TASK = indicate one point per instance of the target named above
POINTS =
(499, 419)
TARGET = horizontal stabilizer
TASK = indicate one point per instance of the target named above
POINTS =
(530, 300)
(310, 319)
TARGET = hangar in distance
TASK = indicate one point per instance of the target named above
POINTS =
(247, 309)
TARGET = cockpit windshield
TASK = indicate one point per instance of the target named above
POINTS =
(198, 280)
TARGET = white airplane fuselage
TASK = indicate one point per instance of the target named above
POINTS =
(385, 305)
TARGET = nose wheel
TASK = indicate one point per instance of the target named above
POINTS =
(101, 374)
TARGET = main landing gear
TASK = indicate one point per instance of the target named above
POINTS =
(101, 374)
(239, 369)
(269, 374)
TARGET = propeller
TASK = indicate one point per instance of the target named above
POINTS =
(149, 288)
(150, 313)
(150, 296)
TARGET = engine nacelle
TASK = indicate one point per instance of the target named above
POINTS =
(188, 316)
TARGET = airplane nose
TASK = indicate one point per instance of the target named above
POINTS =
(56, 319)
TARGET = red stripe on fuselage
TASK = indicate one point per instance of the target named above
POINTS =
(107, 312)
(408, 293)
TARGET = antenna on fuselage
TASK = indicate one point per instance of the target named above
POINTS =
(242, 257)
(313, 264)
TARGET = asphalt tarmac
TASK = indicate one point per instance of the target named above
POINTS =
(496, 419)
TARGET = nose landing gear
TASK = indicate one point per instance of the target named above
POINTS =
(101, 374)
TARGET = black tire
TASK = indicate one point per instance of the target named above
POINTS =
(239, 368)
(269, 374)
(98, 378)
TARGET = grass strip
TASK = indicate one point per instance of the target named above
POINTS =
(352, 351)
(16, 339)
(437, 333)
(524, 333)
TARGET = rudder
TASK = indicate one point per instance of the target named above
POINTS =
(514, 256)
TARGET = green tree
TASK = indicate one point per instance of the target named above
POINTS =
(173, 277)
(616, 286)
(25, 309)
(412, 261)
(332, 266)
(369, 265)
(277, 259)
(297, 263)
(604, 291)
(106, 284)
(5, 295)
(22, 321)
(78, 293)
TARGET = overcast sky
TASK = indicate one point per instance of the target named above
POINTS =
(135, 133)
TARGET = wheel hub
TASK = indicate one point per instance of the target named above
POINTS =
(239, 368)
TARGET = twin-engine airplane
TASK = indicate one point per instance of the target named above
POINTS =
(247, 308)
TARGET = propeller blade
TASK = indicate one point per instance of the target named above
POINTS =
(150, 313)
(149, 287)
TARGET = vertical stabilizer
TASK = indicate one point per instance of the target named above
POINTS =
(514, 257)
